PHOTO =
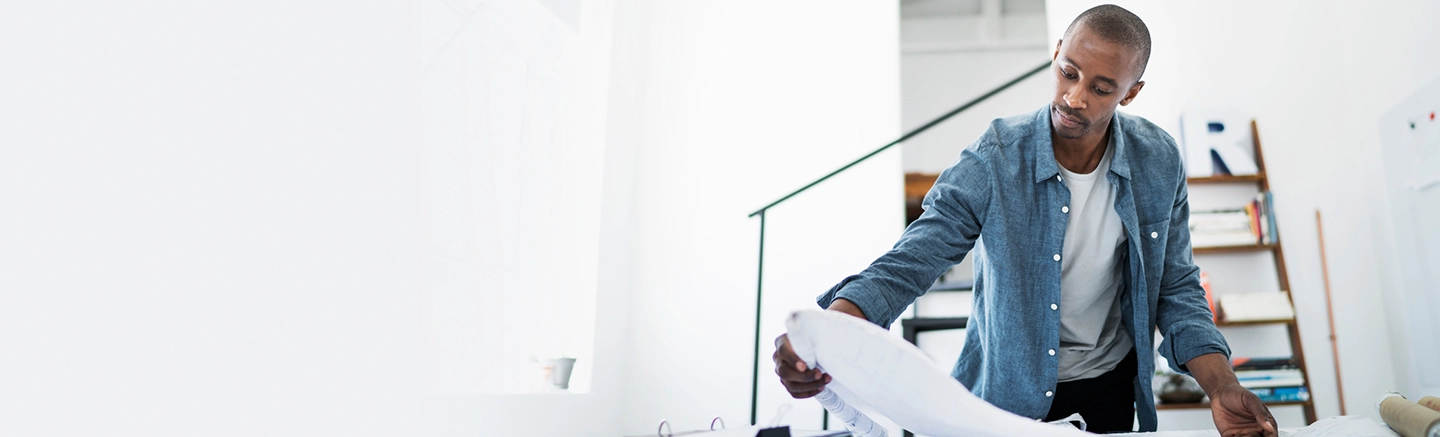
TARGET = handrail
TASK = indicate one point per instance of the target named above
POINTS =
(912, 133)
(759, 286)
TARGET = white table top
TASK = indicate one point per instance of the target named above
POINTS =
(1354, 426)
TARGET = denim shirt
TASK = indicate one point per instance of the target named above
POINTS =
(1004, 203)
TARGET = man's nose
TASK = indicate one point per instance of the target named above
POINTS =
(1072, 98)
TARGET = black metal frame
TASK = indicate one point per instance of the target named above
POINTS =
(913, 327)
(760, 272)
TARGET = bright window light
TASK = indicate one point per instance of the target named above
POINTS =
(513, 128)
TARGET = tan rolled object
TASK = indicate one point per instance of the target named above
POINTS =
(1409, 419)
(1430, 402)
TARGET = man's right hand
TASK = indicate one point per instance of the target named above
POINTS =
(799, 379)
(797, 376)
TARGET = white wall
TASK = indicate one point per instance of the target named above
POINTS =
(1397, 39)
(528, 82)
(1411, 139)
(714, 109)
(937, 82)
(208, 222)
(740, 106)
(948, 60)
(253, 220)
(1317, 76)
(512, 145)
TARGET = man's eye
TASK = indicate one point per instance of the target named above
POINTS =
(1067, 74)
(1101, 92)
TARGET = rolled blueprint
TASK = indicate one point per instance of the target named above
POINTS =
(874, 370)
(1430, 402)
(1408, 419)
(854, 420)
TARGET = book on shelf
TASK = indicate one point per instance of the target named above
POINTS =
(1221, 228)
(1281, 394)
(1249, 225)
(1263, 363)
(1264, 215)
(1270, 378)
(1256, 307)
(1272, 232)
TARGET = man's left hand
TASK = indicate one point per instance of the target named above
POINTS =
(1239, 413)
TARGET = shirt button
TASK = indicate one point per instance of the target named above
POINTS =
(1154, 235)
(1057, 257)
(1054, 306)
(1049, 393)
(1065, 209)
(1057, 177)
(1052, 352)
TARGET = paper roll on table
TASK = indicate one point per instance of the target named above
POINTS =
(1430, 402)
(1408, 419)
(882, 373)
(854, 420)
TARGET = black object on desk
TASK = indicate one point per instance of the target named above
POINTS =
(779, 431)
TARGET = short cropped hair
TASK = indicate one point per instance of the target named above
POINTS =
(1117, 25)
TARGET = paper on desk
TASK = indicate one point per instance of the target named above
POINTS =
(1337, 426)
(1346, 426)
(878, 372)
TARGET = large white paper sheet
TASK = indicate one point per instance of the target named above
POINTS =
(873, 370)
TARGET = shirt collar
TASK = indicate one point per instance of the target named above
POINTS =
(1045, 165)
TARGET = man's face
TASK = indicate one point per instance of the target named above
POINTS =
(1092, 77)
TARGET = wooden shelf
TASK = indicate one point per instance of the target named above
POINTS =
(1256, 323)
(1200, 406)
(1260, 182)
(1234, 249)
(1258, 177)
(918, 184)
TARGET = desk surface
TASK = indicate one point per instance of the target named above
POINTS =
(1354, 426)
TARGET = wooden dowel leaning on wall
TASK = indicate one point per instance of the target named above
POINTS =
(1330, 310)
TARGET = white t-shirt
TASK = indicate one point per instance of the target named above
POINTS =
(1092, 340)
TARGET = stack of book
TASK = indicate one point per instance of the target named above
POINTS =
(1273, 379)
(1255, 307)
(1262, 209)
(1253, 224)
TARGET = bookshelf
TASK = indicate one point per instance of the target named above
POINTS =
(1262, 184)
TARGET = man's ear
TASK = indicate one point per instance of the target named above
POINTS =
(1056, 55)
(1134, 91)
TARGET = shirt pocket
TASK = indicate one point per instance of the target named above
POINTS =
(1153, 239)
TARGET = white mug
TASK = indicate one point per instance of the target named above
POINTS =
(559, 371)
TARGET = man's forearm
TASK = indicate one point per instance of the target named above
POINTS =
(846, 306)
(1212, 371)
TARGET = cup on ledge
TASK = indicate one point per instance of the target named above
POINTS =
(557, 372)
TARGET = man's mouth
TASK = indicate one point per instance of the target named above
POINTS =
(1066, 120)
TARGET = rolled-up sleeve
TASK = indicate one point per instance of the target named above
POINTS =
(1183, 315)
(954, 214)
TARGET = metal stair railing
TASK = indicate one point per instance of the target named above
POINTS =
(760, 273)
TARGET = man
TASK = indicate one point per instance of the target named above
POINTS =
(1077, 218)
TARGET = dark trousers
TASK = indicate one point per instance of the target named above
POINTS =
(1107, 402)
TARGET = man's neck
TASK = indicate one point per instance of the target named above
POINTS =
(1081, 155)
